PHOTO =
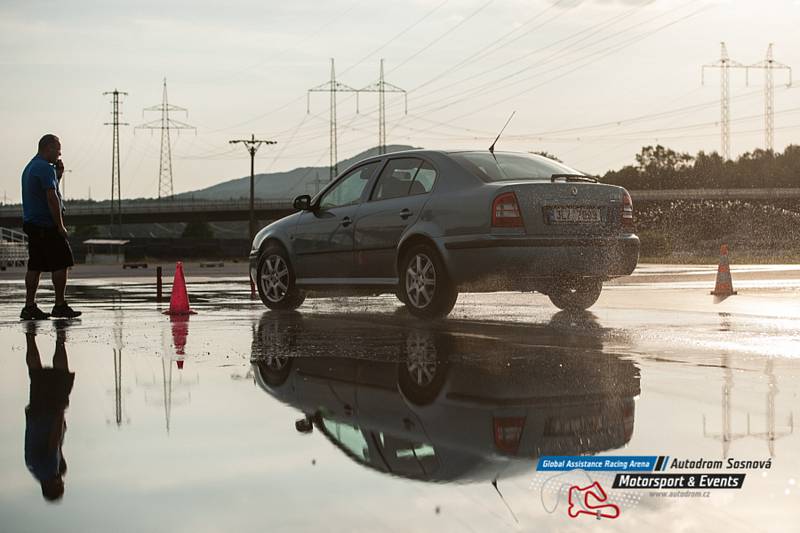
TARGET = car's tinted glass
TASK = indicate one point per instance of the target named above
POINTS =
(396, 179)
(424, 180)
(349, 189)
(505, 166)
(349, 436)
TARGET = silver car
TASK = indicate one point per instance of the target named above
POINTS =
(427, 224)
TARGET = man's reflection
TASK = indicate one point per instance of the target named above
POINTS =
(44, 416)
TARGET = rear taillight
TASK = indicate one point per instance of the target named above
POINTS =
(508, 433)
(627, 211)
(505, 211)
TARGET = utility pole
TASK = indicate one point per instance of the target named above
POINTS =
(331, 87)
(115, 179)
(724, 64)
(252, 145)
(165, 124)
(382, 87)
(769, 64)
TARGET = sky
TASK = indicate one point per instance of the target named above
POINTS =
(590, 81)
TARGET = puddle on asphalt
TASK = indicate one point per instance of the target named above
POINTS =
(346, 420)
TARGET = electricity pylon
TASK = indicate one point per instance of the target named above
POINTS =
(165, 124)
(724, 64)
(331, 87)
(115, 179)
(727, 435)
(769, 64)
(382, 87)
(770, 434)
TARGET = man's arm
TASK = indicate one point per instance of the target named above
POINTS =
(55, 211)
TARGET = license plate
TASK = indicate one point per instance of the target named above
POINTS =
(573, 215)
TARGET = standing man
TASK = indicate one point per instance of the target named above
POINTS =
(43, 223)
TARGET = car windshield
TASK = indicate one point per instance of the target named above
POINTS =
(507, 166)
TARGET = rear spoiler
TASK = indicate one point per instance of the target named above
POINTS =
(574, 177)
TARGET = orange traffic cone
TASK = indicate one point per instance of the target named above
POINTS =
(179, 300)
(724, 285)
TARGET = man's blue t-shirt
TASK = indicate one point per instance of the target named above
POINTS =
(39, 176)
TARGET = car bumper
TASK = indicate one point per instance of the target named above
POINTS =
(516, 262)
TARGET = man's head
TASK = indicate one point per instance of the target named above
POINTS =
(50, 148)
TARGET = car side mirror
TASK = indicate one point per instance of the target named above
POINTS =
(304, 425)
(302, 202)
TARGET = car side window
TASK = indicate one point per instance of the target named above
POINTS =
(396, 179)
(349, 189)
(424, 180)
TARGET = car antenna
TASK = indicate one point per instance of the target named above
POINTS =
(494, 484)
(491, 148)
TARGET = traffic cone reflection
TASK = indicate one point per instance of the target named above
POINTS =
(724, 285)
(179, 299)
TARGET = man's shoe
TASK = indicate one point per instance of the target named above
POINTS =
(64, 311)
(32, 312)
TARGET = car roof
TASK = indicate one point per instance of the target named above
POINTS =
(423, 151)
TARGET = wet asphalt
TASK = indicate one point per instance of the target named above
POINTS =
(352, 415)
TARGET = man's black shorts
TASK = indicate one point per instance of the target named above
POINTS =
(48, 250)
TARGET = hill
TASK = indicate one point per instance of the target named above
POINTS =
(280, 185)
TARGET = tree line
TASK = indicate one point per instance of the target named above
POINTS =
(658, 167)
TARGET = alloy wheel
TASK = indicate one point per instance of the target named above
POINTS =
(420, 280)
(421, 359)
(275, 278)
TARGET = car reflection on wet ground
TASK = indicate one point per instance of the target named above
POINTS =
(351, 415)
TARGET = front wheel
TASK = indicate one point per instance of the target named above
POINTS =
(576, 295)
(276, 281)
(425, 287)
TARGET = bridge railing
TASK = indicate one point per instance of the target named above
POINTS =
(13, 248)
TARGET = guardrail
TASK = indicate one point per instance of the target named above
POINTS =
(13, 248)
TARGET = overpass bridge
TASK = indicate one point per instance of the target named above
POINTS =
(161, 212)
(155, 211)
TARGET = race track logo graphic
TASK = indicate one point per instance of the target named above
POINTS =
(580, 502)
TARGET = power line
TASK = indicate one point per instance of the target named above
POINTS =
(115, 166)
(165, 124)
(557, 55)
(593, 57)
(443, 35)
(397, 36)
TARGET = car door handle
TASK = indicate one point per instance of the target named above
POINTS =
(405, 213)
(346, 221)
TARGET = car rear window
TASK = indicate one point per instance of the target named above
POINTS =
(506, 167)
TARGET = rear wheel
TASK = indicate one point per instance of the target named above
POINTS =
(423, 368)
(576, 294)
(425, 287)
(275, 280)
